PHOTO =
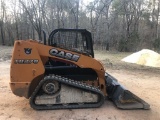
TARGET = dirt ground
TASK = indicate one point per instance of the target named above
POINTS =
(143, 81)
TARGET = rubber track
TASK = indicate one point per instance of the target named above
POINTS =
(72, 83)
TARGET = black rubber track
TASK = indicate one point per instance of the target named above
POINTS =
(71, 83)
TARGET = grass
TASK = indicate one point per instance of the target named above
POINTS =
(112, 60)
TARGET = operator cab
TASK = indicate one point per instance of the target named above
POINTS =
(77, 40)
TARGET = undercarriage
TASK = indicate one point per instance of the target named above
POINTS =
(56, 92)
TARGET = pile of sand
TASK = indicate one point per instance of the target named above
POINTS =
(144, 57)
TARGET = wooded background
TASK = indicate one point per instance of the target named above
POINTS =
(123, 25)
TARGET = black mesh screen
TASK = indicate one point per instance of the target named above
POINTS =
(71, 40)
(78, 40)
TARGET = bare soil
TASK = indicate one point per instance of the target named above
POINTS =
(141, 80)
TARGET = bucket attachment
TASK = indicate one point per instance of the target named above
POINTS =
(123, 99)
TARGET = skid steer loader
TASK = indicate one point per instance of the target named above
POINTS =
(61, 73)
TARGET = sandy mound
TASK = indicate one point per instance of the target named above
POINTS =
(144, 57)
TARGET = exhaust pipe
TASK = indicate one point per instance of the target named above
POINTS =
(123, 98)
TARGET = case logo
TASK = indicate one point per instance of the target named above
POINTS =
(64, 55)
(27, 50)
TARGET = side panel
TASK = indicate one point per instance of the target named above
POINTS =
(26, 65)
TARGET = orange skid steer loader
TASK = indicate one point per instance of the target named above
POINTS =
(61, 73)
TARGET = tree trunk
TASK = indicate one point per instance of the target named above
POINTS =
(2, 35)
(77, 20)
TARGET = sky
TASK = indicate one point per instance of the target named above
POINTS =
(87, 1)
(9, 3)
